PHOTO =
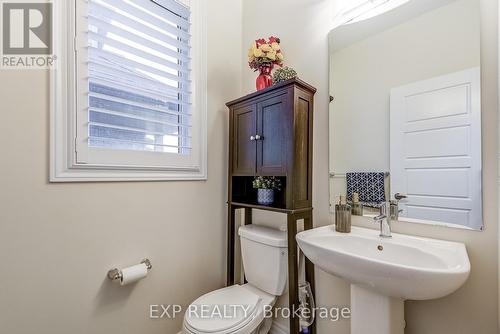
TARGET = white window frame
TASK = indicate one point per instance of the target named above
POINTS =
(65, 103)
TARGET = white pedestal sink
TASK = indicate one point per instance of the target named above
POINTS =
(386, 271)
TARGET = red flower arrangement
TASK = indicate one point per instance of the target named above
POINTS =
(263, 55)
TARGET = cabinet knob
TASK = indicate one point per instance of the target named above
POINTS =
(257, 137)
(252, 138)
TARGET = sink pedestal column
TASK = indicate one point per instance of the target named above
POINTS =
(375, 313)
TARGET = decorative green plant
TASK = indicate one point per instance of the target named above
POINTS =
(267, 182)
(283, 74)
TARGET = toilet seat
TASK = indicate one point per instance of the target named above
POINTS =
(241, 320)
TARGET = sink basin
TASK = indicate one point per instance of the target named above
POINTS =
(403, 266)
(385, 271)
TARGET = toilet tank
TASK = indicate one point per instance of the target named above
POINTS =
(265, 257)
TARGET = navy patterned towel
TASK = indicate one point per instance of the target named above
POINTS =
(369, 185)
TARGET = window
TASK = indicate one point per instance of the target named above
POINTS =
(135, 106)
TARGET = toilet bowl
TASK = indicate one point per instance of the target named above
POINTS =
(244, 309)
(249, 302)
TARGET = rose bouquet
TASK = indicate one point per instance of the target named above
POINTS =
(263, 55)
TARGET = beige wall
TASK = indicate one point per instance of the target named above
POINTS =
(303, 27)
(57, 241)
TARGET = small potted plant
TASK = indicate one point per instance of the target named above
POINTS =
(266, 185)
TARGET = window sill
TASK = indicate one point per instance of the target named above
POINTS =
(121, 175)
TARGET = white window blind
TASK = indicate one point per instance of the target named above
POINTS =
(139, 82)
(129, 97)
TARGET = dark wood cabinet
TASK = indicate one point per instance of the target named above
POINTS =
(259, 137)
(273, 129)
(271, 134)
(244, 148)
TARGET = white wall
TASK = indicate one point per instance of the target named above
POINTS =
(303, 27)
(57, 241)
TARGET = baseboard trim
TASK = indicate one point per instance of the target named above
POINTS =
(277, 328)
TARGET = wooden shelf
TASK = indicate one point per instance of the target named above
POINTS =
(269, 208)
(271, 134)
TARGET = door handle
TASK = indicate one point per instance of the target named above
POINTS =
(252, 138)
(399, 196)
(257, 137)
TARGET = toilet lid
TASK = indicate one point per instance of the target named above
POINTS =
(222, 310)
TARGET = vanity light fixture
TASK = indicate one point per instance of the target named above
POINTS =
(352, 12)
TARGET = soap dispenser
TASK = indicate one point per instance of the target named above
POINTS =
(357, 207)
(343, 216)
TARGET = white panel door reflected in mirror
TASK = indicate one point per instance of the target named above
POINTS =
(406, 88)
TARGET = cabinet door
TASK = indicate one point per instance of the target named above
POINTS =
(245, 147)
(273, 127)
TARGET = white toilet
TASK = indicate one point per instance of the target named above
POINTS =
(239, 309)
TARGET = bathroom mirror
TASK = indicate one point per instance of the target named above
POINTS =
(405, 116)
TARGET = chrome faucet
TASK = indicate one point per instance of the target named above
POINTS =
(385, 220)
(394, 207)
(389, 212)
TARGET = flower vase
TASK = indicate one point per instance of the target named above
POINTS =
(264, 79)
(265, 196)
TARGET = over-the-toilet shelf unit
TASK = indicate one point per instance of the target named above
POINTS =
(271, 134)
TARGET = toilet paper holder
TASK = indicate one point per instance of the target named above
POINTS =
(116, 274)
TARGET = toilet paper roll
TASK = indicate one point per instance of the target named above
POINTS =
(133, 274)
